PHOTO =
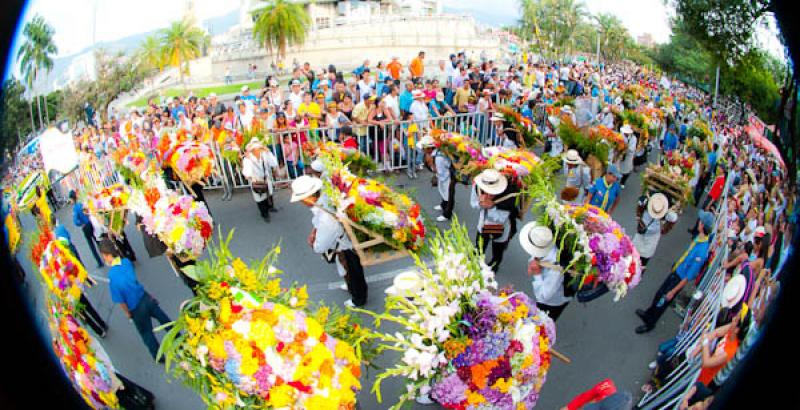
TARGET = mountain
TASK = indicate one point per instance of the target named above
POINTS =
(63, 68)
(494, 19)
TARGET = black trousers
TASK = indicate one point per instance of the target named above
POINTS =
(134, 396)
(644, 260)
(625, 178)
(90, 317)
(124, 247)
(88, 233)
(660, 303)
(498, 248)
(447, 206)
(356, 283)
(264, 207)
(553, 311)
(189, 282)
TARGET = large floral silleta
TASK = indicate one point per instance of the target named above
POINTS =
(245, 341)
(463, 342)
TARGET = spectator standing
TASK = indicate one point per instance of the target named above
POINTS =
(258, 166)
(81, 220)
(417, 67)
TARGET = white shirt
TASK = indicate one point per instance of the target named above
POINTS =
(419, 110)
(442, 174)
(394, 104)
(260, 169)
(296, 99)
(548, 286)
(491, 215)
(329, 232)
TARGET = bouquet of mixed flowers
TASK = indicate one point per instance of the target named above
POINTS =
(26, 193)
(246, 341)
(230, 142)
(131, 164)
(355, 160)
(459, 148)
(110, 205)
(182, 223)
(84, 361)
(13, 230)
(192, 161)
(573, 138)
(521, 166)
(527, 129)
(373, 204)
(700, 130)
(681, 164)
(462, 342)
(62, 272)
(592, 246)
(609, 136)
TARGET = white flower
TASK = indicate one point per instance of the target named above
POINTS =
(201, 353)
(242, 327)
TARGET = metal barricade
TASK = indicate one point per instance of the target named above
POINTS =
(701, 317)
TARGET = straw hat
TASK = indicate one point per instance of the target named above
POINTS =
(497, 117)
(734, 291)
(425, 142)
(491, 181)
(566, 109)
(536, 239)
(408, 284)
(626, 129)
(245, 88)
(305, 186)
(253, 145)
(657, 205)
(317, 166)
(572, 157)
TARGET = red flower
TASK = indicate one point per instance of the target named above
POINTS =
(280, 347)
(236, 308)
(300, 386)
(205, 229)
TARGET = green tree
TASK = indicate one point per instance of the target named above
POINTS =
(15, 118)
(182, 42)
(281, 24)
(614, 37)
(36, 54)
(553, 23)
(151, 53)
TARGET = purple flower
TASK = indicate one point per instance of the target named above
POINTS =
(497, 399)
(450, 390)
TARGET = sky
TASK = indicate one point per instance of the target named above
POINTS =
(73, 20)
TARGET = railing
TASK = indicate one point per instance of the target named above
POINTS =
(701, 317)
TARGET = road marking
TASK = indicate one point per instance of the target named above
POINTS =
(380, 277)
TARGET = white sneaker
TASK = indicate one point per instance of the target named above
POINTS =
(349, 303)
(437, 208)
(343, 287)
(441, 218)
(652, 365)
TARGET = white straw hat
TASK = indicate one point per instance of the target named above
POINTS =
(626, 129)
(254, 144)
(734, 291)
(497, 117)
(572, 157)
(536, 239)
(657, 205)
(491, 181)
(317, 165)
(425, 142)
(305, 186)
(408, 284)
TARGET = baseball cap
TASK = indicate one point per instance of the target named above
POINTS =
(295, 82)
(707, 219)
(760, 232)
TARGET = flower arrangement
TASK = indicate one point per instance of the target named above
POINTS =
(192, 161)
(612, 138)
(13, 230)
(373, 204)
(459, 148)
(593, 247)
(62, 272)
(462, 342)
(84, 361)
(573, 138)
(131, 164)
(110, 205)
(26, 193)
(700, 130)
(526, 128)
(355, 160)
(182, 223)
(681, 164)
(247, 341)
(522, 167)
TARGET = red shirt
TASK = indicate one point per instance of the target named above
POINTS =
(597, 393)
(350, 142)
(716, 189)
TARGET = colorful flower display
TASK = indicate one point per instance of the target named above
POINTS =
(609, 136)
(182, 223)
(356, 161)
(459, 148)
(376, 206)
(593, 246)
(527, 129)
(62, 272)
(463, 343)
(245, 341)
(110, 205)
(13, 231)
(192, 161)
(84, 362)
(681, 164)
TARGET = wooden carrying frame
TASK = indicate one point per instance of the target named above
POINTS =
(108, 218)
(369, 257)
(659, 182)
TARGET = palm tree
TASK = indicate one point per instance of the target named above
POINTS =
(35, 55)
(151, 53)
(280, 24)
(182, 42)
(613, 35)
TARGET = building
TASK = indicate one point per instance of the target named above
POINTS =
(645, 40)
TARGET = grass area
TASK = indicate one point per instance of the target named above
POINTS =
(199, 92)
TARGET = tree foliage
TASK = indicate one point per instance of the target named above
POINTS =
(15, 115)
(553, 23)
(182, 42)
(281, 24)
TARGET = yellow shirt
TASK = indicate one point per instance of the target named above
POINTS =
(310, 108)
(413, 129)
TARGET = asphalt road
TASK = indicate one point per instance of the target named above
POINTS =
(598, 337)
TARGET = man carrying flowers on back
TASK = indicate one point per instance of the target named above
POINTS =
(604, 194)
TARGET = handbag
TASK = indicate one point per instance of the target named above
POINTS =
(261, 187)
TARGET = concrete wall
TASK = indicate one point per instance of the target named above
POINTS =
(380, 39)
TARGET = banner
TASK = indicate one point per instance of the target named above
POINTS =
(58, 151)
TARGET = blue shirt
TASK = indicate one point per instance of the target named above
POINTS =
(405, 101)
(683, 130)
(527, 113)
(360, 69)
(712, 162)
(689, 264)
(670, 142)
(123, 284)
(603, 194)
(62, 233)
(79, 218)
(176, 110)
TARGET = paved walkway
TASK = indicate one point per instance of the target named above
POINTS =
(599, 337)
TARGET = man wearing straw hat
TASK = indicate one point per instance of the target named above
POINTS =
(329, 237)
(626, 165)
(578, 178)
(548, 280)
(604, 194)
(685, 269)
(257, 166)
(649, 227)
(446, 184)
(495, 198)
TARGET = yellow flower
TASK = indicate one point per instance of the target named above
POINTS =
(216, 346)
(313, 328)
(521, 312)
(262, 334)
(225, 311)
(302, 296)
(281, 396)
(322, 314)
(502, 384)
(273, 288)
(505, 317)
(474, 398)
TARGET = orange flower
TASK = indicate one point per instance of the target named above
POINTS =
(480, 372)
